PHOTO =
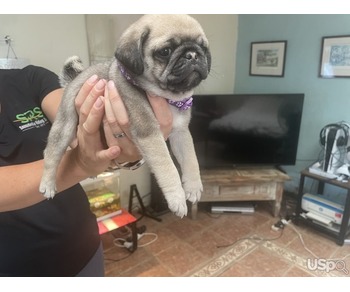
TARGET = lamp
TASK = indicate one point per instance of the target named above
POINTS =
(12, 63)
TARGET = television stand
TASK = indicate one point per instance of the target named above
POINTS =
(243, 184)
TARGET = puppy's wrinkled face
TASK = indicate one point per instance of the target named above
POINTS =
(174, 53)
(178, 55)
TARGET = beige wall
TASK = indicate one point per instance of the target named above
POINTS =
(47, 40)
(222, 32)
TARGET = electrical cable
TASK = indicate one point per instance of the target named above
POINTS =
(279, 226)
(122, 242)
(256, 238)
(127, 243)
(150, 242)
(117, 240)
(286, 223)
(117, 260)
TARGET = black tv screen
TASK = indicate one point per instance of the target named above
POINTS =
(230, 130)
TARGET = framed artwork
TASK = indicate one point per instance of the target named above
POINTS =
(268, 58)
(335, 57)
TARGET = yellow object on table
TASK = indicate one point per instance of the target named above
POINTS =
(103, 195)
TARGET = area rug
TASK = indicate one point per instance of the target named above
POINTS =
(223, 262)
(232, 255)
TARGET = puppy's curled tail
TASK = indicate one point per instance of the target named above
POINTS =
(71, 69)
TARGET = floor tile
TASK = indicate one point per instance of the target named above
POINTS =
(226, 245)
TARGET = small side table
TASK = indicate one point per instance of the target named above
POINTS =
(120, 220)
(344, 229)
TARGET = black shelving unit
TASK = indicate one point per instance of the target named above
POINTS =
(340, 233)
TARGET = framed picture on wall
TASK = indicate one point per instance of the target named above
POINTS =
(335, 57)
(268, 58)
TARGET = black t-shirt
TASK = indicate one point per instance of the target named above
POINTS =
(54, 237)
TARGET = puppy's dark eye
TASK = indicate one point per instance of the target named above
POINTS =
(165, 52)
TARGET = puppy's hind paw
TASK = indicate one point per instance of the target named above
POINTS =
(177, 204)
(193, 191)
(179, 210)
(48, 191)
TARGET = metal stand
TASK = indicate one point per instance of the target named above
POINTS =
(144, 211)
(344, 228)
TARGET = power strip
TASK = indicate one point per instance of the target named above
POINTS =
(315, 170)
(277, 226)
(282, 223)
(129, 244)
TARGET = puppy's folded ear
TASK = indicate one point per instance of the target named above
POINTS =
(129, 51)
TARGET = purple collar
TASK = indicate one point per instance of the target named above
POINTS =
(126, 74)
(181, 105)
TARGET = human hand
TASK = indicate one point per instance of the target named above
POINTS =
(116, 122)
(116, 125)
(91, 153)
(163, 114)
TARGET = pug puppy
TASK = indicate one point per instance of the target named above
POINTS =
(165, 55)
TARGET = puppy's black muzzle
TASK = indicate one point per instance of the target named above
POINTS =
(191, 65)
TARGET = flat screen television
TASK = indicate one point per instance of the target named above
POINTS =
(232, 130)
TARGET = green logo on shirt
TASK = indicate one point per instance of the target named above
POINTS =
(33, 118)
(29, 116)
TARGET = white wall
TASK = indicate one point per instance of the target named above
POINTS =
(46, 40)
(222, 32)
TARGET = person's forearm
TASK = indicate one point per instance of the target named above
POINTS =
(19, 184)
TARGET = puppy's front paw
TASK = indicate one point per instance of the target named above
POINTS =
(177, 202)
(47, 189)
(193, 190)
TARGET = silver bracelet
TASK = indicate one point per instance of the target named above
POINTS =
(129, 165)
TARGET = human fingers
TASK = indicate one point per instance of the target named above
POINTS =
(92, 155)
(116, 113)
(129, 151)
(94, 117)
(81, 97)
(85, 90)
(163, 113)
(87, 96)
(115, 109)
(116, 125)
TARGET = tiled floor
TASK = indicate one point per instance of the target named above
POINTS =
(186, 247)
